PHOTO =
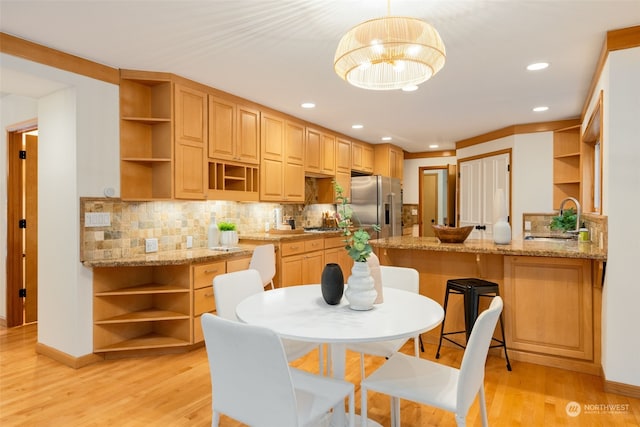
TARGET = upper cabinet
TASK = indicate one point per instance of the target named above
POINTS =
(361, 157)
(162, 138)
(146, 140)
(342, 175)
(281, 164)
(320, 153)
(566, 164)
(190, 142)
(234, 131)
(388, 160)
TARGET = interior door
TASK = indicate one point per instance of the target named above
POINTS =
(478, 181)
(430, 203)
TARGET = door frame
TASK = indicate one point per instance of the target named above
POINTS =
(18, 243)
(450, 196)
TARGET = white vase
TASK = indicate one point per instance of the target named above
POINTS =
(360, 291)
(228, 238)
(501, 232)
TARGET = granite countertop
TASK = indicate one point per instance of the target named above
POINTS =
(176, 257)
(197, 255)
(559, 249)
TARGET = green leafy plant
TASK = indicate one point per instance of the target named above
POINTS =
(357, 242)
(226, 226)
(566, 221)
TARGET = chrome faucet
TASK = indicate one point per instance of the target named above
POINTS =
(577, 203)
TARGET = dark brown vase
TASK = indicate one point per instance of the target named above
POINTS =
(332, 283)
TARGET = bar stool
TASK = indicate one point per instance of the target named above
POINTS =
(472, 289)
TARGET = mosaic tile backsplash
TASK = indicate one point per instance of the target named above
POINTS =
(172, 222)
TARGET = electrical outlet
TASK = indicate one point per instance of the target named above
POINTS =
(151, 245)
(189, 242)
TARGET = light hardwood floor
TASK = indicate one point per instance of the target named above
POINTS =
(174, 390)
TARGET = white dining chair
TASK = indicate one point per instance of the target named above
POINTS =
(430, 383)
(404, 278)
(263, 259)
(231, 288)
(268, 393)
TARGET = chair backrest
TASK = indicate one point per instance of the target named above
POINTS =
(264, 260)
(231, 288)
(400, 278)
(258, 394)
(471, 376)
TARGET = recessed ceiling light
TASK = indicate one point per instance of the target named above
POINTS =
(540, 109)
(386, 138)
(410, 88)
(308, 105)
(537, 66)
(433, 146)
(356, 126)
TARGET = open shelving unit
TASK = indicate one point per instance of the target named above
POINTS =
(233, 181)
(146, 136)
(566, 164)
(137, 308)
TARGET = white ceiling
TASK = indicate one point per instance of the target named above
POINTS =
(280, 54)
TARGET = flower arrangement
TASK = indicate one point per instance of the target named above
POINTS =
(357, 242)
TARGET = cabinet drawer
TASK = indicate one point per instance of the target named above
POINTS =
(292, 248)
(313, 245)
(203, 301)
(334, 242)
(238, 264)
(203, 274)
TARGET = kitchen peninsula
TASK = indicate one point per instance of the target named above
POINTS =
(552, 291)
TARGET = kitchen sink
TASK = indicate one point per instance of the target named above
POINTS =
(548, 239)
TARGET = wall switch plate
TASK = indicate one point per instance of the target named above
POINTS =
(151, 245)
(527, 226)
(189, 242)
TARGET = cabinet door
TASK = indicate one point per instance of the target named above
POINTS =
(328, 154)
(291, 271)
(191, 141)
(549, 306)
(248, 135)
(293, 183)
(343, 155)
(222, 129)
(272, 152)
(313, 151)
(312, 265)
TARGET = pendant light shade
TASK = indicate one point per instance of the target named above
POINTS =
(389, 53)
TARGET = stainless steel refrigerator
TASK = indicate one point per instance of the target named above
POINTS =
(377, 199)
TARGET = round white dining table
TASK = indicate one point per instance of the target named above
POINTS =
(300, 313)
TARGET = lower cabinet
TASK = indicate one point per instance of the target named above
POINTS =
(550, 310)
(335, 252)
(154, 307)
(301, 262)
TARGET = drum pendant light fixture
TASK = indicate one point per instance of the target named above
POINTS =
(389, 53)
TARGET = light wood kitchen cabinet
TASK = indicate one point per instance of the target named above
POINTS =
(190, 142)
(154, 307)
(566, 164)
(326, 192)
(549, 308)
(281, 170)
(320, 153)
(301, 262)
(388, 161)
(203, 296)
(146, 140)
(234, 131)
(139, 308)
(362, 155)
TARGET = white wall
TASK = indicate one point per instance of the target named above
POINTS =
(621, 176)
(78, 157)
(13, 109)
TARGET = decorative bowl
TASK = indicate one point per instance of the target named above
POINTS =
(448, 234)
